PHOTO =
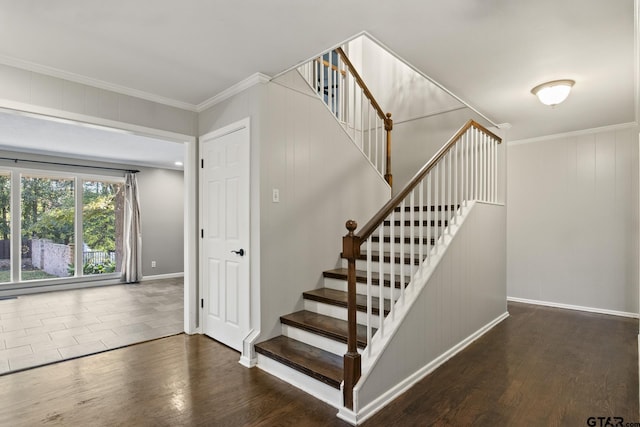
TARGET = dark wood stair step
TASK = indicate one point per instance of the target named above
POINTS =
(339, 298)
(407, 240)
(432, 208)
(361, 277)
(425, 223)
(312, 361)
(325, 326)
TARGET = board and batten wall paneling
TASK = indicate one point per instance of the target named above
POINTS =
(324, 180)
(464, 296)
(572, 223)
(63, 98)
(298, 148)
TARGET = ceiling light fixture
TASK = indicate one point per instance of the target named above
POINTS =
(178, 163)
(554, 92)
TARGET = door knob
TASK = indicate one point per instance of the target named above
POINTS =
(240, 252)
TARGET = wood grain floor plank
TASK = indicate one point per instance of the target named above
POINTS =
(540, 367)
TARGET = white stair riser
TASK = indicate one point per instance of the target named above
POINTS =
(304, 382)
(362, 265)
(386, 247)
(327, 344)
(338, 312)
(434, 231)
(361, 288)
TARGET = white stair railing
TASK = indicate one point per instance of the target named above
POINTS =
(410, 228)
(336, 81)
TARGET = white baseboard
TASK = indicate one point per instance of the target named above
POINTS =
(574, 307)
(382, 401)
(163, 276)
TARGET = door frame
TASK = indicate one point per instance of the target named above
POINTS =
(247, 357)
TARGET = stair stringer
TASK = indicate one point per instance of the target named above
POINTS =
(456, 296)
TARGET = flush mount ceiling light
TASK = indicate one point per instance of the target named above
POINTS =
(553, 93)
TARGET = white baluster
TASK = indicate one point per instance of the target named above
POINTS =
(369, 292)
(402, 246)
(421, 254)
(436, 200)
(381, 270)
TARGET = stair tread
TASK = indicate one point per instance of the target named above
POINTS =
(407, 240)
(428, 208)
(416, 222)
(312, 361)
(339, 298)
(386, 257)
(361, 277)
(326, 326)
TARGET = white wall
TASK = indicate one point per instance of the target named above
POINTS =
(38, 93)
(572, 223)
(464, 295)
(424, 115)
(324, 180)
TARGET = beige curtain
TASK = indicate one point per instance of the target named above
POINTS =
(132, 236)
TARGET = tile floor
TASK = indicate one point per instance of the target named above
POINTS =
(53, 326)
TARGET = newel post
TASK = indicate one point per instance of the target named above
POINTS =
(352, 367)
(388, 126)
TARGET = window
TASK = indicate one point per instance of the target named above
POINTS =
(5, 227)
(59, 222)
(48, 223)
(102, 227)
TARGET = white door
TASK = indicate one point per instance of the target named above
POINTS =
(224, 184)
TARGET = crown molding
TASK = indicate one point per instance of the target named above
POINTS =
(77, 78)
(609, 128)
(233, 90)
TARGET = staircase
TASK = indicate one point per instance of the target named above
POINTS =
(314, 339)
(353, 344)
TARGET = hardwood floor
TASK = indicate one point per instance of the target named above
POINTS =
(540, 366)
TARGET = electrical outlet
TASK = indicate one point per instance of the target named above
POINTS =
(276, 195)
(153, 264)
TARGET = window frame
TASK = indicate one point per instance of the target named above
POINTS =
(16, 174)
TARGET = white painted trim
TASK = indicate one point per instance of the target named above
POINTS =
(78, 284)
(432, 114)
(191, 238)
(417, 70)
(574, 307)
(395, 55)
(610, 128)
(62, 116)
(317, 389)
(248, 357)
(163, 276)
(101, 84)
(233, 90)
(636, 53)
(410, 381)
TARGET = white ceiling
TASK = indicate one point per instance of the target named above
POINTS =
(490, 53)
(38, 134)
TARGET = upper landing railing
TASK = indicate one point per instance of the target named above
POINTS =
(338, 83)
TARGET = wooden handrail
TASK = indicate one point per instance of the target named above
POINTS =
(361, 83)
(332, 66)
(378, 218)
(386, 118)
